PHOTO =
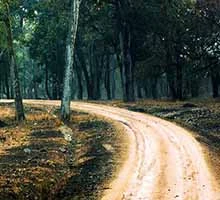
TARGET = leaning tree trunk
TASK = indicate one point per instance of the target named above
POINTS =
(13, 67)
(70, 47)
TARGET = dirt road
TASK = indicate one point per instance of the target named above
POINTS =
(164, 161)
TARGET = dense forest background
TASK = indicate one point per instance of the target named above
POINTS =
(124, 49)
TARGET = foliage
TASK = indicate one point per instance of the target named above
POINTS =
(173, 41)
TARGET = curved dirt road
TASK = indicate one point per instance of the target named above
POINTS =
(164, 162)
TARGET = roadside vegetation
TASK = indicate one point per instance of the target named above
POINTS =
(43, 159)
(199, 116)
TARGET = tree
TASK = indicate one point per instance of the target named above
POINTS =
(166, 49)
(47, 44)
(70, 48)
(123, 10)
(13, 66)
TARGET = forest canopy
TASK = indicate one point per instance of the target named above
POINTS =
(123, 49)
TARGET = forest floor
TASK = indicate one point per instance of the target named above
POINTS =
(152, 158)
(200, 117)
(40, 159)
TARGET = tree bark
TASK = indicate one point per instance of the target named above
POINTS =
(46, 82)
(113, 72)
(127, 67)
(99, 63)
(89, 85)
(179, 79)
(154, 87)
(13, 67)
(107, 78)
(7, 86)
(171, 83)
(79, 80)
(70, 47)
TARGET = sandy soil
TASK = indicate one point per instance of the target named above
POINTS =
(165, 162)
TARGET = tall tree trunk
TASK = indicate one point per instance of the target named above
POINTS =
(194, 86)
(46, 82)
(13, 67)
(98, 76)
(179, 81)
(35, 91)
(139, 90)
(7, 86)
(113, 72)
(107, 77)
(119, 61)
(171, 83)
(154, 81)
(54, 86)
(95, 64)
(79, 80)
(127, 67)
(146, 90)
(70, 47)
(89, 85)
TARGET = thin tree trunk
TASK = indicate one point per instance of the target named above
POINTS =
(89, 85)
(79, 80)
(127, 67)
(139, 92)
(119, 61)
(113, 82)
(35, 90)
(46, 82)
(171, 83)
(7, 87)
(13, 68)
(80, 85)
(70, 48)
(154, 87)
(146, 90)
(98, 76)
(95, 73)
(107, 78)
(179, 81)
(215, 77)
(54, 87)
(194, 87)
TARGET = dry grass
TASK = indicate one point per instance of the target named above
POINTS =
(55, 168)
